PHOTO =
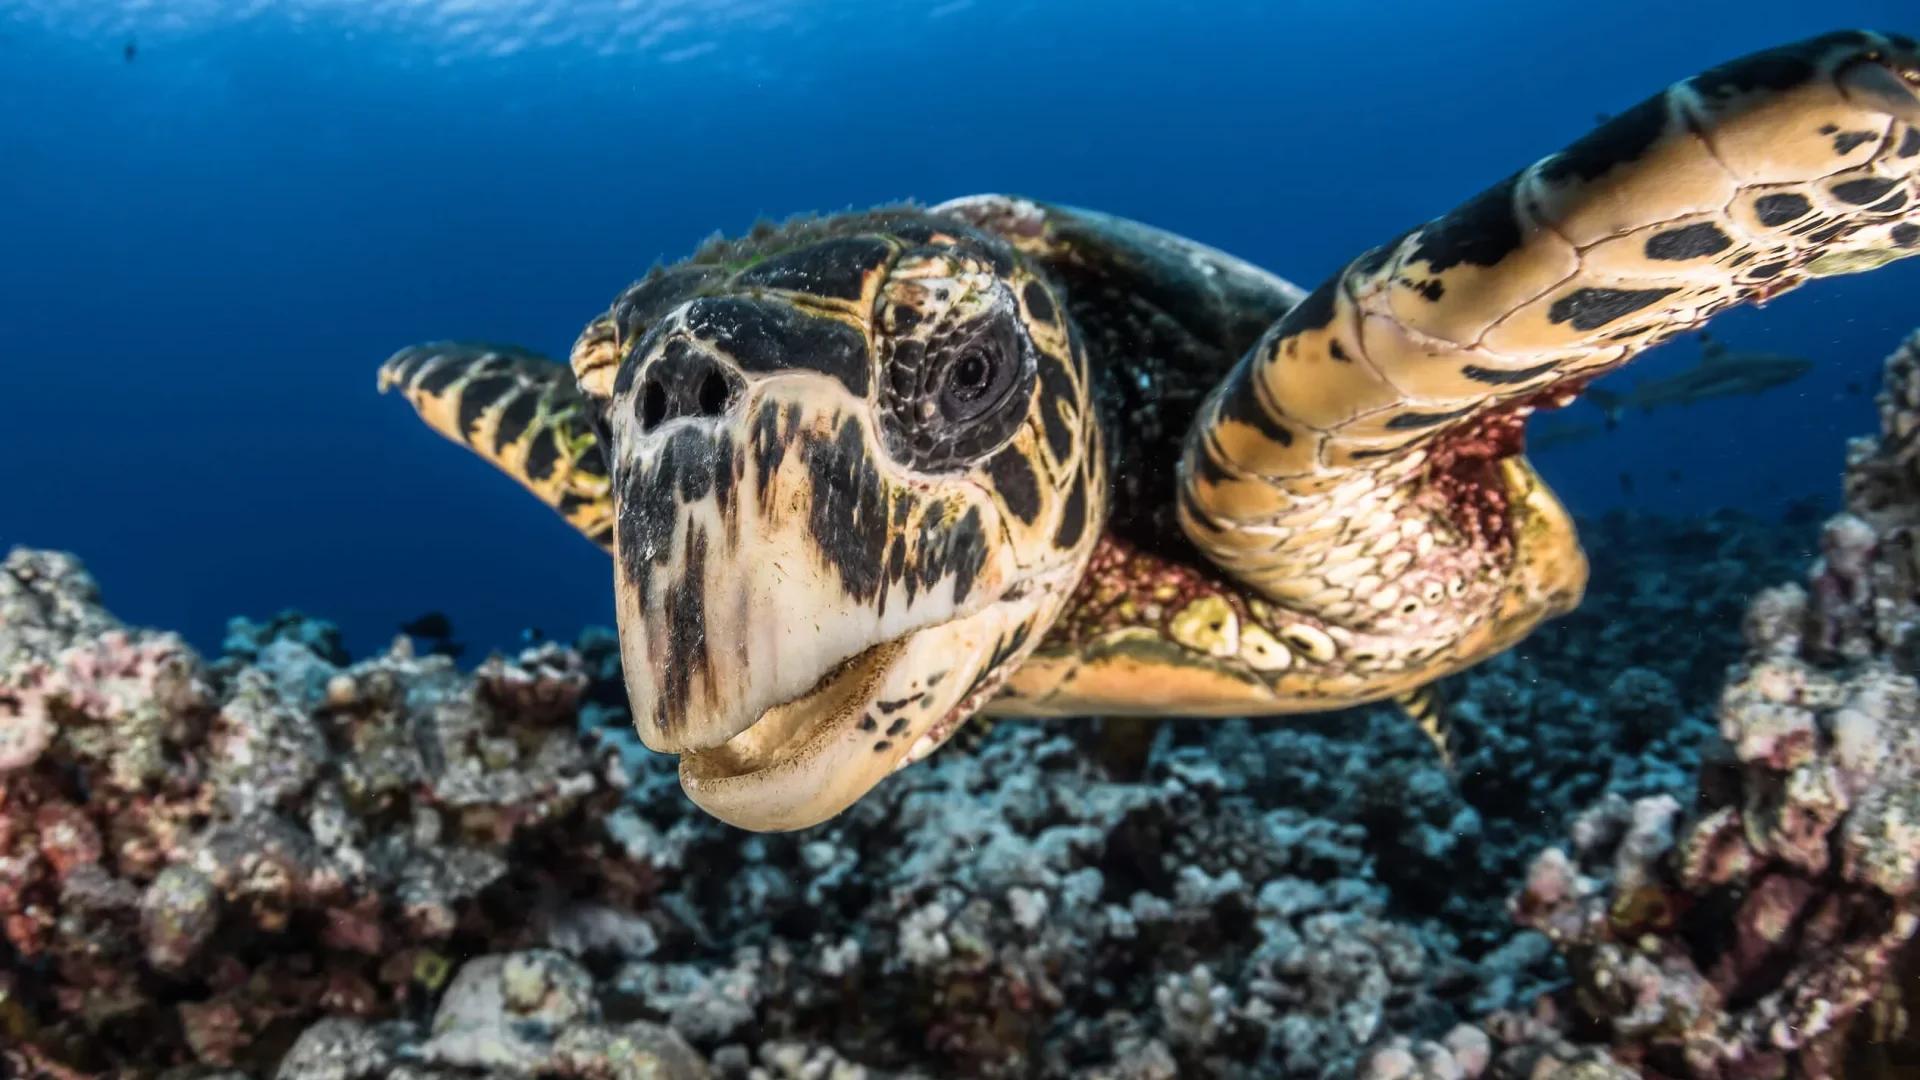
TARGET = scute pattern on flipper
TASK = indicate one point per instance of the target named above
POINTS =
(521, 412)
(1402, 381)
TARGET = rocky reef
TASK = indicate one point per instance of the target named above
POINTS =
(1682, 841)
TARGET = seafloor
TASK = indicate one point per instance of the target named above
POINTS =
(1683, 841)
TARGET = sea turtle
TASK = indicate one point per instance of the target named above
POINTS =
(866, 475)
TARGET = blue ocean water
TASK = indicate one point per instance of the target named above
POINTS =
(208, 246)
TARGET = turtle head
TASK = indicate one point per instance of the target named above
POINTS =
(856, 475)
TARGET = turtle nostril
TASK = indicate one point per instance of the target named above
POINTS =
(714, 395)
(653, 405)
(684, 383)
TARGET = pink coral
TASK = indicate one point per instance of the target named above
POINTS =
(1746, 943)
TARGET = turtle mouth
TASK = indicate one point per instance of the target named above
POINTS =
(805, 760)
(784, 732)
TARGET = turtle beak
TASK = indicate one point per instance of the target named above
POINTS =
(783, 595)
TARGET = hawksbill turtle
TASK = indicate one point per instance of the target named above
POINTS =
(866, 475)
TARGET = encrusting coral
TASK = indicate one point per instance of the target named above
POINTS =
(285, 864)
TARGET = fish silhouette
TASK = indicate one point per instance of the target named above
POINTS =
(1721, 372)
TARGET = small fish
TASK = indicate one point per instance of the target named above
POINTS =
(1721, 372)
(1626, 483)
(449, 649)
(532, 635)
(433, 624)
(128, 52)
(1553, 433)
(1673, 476)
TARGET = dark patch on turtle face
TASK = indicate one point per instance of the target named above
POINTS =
(763, 336)
(1338, 352)
(868, 723)
(1431, 289)
(1417, 421)
(1620, 141)
(848, 509)
(1004, 650)
(1777, 69)
(646, 521)
(1770, 270)
(690, 465)
(696, 459)
(1591, 308)
(1695, 241)
(959, 549)
(1492, 377)
(1906, 234)
(604, 537)
(1846, 142)
(542, 454)
(1240, 403)
(1780, 208)
(882, 746)
(1013, 478)
(890, 707)
(897, 728)
(686, 644)
(831, 269)
(1909, 144)
(1056, 389)
(1896, 201)
(1363, 455)
(1480, 232)
(514, 420)
(1039, 304)
(773, 427)
(1073, 514)
(896, 567)
(1862, 191)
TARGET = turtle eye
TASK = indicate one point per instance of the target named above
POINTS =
(972, 383)
(958, 393)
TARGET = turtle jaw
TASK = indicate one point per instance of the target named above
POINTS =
(807, 760)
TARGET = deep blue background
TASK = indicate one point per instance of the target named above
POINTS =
(205, 253)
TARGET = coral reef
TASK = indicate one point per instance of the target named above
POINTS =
(1761, 930)
(285, 863)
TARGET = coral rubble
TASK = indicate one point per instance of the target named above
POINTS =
(287, 864)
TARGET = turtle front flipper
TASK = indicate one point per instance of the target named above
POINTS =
(1361, 468)
(518, 410)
